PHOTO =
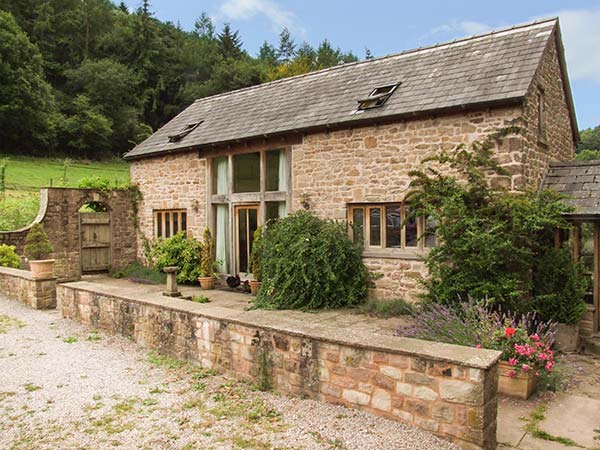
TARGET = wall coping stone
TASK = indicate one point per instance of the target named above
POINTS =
(20, 273)
(450, 353)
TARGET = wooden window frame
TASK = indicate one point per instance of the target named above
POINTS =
(381, 249)
(175, 216)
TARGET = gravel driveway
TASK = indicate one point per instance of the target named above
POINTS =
(64, 386)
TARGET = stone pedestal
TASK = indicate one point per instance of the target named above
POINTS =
(172, 290)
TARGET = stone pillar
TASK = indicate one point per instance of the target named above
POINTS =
(172, 290)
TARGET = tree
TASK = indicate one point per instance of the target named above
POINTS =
(287, 47)
(123, 7)
(267, 54)
(230, 43)
(204, 27)
(28, 111)
(368, 54)
(590, 139)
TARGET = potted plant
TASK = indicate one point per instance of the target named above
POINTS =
(256, 261)
(524, 358)
(207, 261)
(37, 248)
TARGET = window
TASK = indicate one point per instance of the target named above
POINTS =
(276, 169)
(377, 97)
(169, 222)
(246, 173)
(184, 131)
(400, 230)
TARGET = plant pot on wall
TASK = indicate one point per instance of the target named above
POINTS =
(207, 282)
(520, 385)
(567, 337)
(42, 269)
(255, 287)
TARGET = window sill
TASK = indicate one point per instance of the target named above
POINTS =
(396, 253)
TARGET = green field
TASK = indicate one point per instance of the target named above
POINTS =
(26, 175)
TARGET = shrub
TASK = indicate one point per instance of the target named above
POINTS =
(8, 257)
(489, 238)
(100, 182)
(387, 308)
(257, 252)
(179, 250)
(37, 245)
(208, 265)
(473, 323)
(310, 263)
(559, 286)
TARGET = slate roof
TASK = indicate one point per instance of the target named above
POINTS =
(495, 68)
(580, 182)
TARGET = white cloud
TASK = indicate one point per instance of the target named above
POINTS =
(464, 27)
(581, 36)
(248, 9)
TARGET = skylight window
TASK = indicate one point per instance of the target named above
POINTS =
(377, 97)
(184, 131)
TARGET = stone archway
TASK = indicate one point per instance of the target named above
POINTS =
(60, 215)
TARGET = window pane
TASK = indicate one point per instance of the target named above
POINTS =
(430, 226)
(246, 173)
(175, 223)
(167, 225)
(358, 219)
(375, 226)
(222, 222)
(183, 221)
(220, 175)
(275, 210)
(272, 183)
(393, 226)
(242, 240)
(411, 230)
(159, 230)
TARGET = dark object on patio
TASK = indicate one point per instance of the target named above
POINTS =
(233, 282)
(245, 287)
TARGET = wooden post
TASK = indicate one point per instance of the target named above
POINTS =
(596, 276)
(576, 241)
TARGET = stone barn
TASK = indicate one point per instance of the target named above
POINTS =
(341, 142)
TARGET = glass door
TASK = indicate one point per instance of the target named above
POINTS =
(246, 225)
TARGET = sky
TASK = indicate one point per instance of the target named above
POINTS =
(390, 26)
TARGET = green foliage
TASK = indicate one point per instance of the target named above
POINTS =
(559, 287)
(138, 272)
(490, 239)
(8, 257)
(91, 70)
(17, 212)
(28, 112)
(37, 244)
(207, 255)
(590, 139)
(310, 263)
(387, 308)
(102, 183)
(587, 155)
(182, 251)
(257, 252)
(200, 299)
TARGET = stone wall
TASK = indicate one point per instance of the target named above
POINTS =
(446, 389)
(556, 142)
(59, 214)
(18, 284)
(170, 182)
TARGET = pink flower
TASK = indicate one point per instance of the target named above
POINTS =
(525, 367)
(509, 331)
(549, 366)
(537, 373)
(478, 346)
(512, 361)
(511, 373)
(542, 356)
(535, 337)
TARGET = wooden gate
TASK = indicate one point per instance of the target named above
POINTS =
(95, 241)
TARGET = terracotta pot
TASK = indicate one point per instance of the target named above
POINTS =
(42, 269)
(255, 287)
(207, 282)
(567, 338)
(522, 385)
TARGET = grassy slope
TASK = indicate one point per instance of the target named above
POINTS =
(26, 175)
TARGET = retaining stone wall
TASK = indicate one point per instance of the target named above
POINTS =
(18, 284)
